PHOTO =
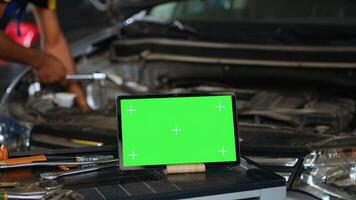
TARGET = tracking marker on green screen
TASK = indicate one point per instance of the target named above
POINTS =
(177, 130)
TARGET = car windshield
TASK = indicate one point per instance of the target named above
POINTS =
(259, 11)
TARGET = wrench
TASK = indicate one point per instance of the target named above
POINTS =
(56, 164)
(37, 190)
(56, 175)
(19, 196)
(52, 196)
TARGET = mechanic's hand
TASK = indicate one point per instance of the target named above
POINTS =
(49, 69)
(80, 99)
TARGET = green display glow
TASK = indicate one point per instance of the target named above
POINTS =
(177, 130)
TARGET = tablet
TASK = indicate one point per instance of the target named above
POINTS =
(160, 130)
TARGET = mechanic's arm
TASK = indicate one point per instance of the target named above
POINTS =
(2, 8)
(47, 67)
(54, 43)
(11, 51)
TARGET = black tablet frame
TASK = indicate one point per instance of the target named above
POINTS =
(150, 96)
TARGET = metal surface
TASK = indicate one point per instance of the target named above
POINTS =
(297, 195)
(287, 162)
(329, 172)
(277, 193)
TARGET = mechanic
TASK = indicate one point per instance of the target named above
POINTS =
(54, 61)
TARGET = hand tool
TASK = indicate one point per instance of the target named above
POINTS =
(93, 76)
(36, 189)
(7, 196)
(56, 164)
(5, 160)
(94, 158)
(100, 77)
(61, 194)
(39, 190)
(8, 184)
(56, 175)
(4, 153)
(81, 158)
(23, 160)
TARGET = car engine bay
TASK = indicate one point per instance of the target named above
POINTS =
(271, 119)
(285, 117)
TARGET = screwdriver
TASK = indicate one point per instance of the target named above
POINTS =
(93, 76)
(8, 184)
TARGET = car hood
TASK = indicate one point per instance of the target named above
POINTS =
(136, 3)
(121, 9)
(126, 8)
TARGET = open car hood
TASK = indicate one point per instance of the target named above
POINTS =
(125, 8)
(136, 3)
(120, 5)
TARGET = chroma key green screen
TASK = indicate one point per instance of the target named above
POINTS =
(177, 130)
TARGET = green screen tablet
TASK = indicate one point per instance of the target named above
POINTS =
(177, 129)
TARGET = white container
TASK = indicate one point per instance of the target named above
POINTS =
(64, 99)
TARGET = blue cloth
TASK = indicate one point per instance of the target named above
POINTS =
(14, 8)
(12, 130)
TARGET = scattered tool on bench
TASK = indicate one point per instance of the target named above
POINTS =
(54, 164)
(42, 160)
(44, 189)
(4, 153)
(5, 160)
(56, 175)
(23, 160)
(36, 190)
(8, 184)
(56, 195)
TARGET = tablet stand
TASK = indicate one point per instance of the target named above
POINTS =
(185, 168)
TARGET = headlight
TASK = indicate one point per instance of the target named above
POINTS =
(329, 174)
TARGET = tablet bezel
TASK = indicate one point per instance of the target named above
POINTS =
(150, 96)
